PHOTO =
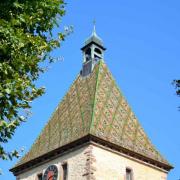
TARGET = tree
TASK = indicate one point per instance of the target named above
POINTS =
(177, 85)
(25, 41)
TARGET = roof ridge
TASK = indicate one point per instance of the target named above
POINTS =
(95, 94)
(138, 122)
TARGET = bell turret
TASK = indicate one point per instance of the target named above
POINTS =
(93, 51)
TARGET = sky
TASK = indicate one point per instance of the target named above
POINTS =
(143, 53)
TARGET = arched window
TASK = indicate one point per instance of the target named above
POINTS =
(40, 176)
(88, 54)
(65, 171)
(129, 174)
(96, 58)
(98, 51)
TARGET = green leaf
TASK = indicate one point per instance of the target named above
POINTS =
(26, 41)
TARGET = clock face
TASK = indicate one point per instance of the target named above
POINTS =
(51, 173)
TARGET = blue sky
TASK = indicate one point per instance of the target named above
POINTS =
(143, 41)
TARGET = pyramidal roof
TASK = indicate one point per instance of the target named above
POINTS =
(95, 106)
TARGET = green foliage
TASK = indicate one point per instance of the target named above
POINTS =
(177, 85)
(25, 41)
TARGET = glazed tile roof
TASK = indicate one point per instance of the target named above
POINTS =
(94, 105)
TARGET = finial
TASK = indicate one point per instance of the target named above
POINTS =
(94, 28)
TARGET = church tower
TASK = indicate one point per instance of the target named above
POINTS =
(93, 134)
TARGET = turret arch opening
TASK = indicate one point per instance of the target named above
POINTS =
(88, 54)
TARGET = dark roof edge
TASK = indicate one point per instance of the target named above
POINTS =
(84, 140)
(18, 169)
(92, 42)
(130, 153)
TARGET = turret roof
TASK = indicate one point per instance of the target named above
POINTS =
(94, 38)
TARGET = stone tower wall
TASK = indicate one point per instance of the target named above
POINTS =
(112, 166)
(92, 162)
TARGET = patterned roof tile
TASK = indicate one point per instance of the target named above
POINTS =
(93, 105)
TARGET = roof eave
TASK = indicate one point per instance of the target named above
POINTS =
(82, 141)
(92, 42)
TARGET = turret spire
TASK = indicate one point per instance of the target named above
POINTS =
(93, 51)
(94, 28)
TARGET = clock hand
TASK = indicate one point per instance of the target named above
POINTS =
(49, 178)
